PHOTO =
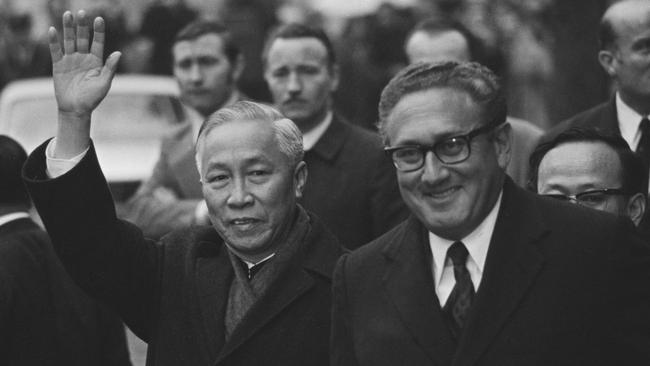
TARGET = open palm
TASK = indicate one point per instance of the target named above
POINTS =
(81, 80)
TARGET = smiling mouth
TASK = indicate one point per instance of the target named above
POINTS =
(442, 194)
(243, 221)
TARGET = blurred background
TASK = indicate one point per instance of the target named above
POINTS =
(545, 50)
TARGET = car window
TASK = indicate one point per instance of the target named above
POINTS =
(120, 118)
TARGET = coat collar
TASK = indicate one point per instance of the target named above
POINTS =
(317, 258)
(513, 258)
(332, 141)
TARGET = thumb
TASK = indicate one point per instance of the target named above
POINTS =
(111, 64)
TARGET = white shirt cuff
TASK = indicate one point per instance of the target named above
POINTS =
(57, 167)
(201, 213)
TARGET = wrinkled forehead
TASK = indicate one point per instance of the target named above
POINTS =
(284, 51)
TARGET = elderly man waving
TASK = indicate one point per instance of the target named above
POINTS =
(252, 289)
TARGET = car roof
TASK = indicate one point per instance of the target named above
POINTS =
(133, 84)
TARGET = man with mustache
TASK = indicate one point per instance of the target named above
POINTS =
(252, 289)
(207, 64)
(351, 185)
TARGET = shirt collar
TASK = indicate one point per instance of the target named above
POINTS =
(251, 264)
(310, 138)
(628, 122)
(477, 243)
(4, 219)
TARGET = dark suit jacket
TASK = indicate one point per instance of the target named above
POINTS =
(352, 185)
(173, 294)
(602, 117)
(556, 284)
(45, 319)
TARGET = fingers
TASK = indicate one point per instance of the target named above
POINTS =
(68, 33)
(111, 64)
(83, 32)
(97, 47)
(55, 47)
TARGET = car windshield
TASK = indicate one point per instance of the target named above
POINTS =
(125, 119)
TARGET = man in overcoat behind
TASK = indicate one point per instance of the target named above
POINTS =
(483, 272)
(253, 289)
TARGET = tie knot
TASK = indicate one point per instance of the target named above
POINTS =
(458, 253)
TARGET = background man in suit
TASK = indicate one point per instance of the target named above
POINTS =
(207, 64)
(440, 39)
(351, 185)
(483, 273)
(625, 56)
(593, 169)
(253, 289)
(45, 319)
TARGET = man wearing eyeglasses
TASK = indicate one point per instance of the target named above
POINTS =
(483, 272)
(594, 169)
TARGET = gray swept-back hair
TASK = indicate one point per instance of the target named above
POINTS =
(287, 134)
(470, 77)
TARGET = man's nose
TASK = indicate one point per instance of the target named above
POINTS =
(196, 73)
(239, 196)
(434, 170)
(294, 84)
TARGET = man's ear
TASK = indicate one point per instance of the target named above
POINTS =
(300, 178)
(238, 67)
(636, 207)
(607, 60)
(503, 144)
(334, 73)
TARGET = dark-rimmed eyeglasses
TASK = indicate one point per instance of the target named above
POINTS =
(592, 198)
(452, 150)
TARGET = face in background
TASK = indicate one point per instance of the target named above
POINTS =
(628, 61)
(300, 80)
(579, 166)
(450, 199)
(205, 75)
(443, 46)
(250, 187)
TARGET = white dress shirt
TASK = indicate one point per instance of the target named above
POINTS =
(310, 138)
(628, 122)
(477, 243)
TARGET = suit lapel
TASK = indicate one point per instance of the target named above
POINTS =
(512, 264)
(318, 254)
(332, 141)
(291, 285)
(214, 274)
(408, 282)
(184, 164)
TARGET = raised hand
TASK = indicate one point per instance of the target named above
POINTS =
(81, 80)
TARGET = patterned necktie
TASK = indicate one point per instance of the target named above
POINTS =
(459, 302)
(643, 149)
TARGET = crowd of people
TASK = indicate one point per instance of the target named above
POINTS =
(281, 234)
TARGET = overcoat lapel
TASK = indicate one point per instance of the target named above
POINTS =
(512, 264)
(287, 289)
(408, 282)
(214, 274)
(316, 258)
(184, 164)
